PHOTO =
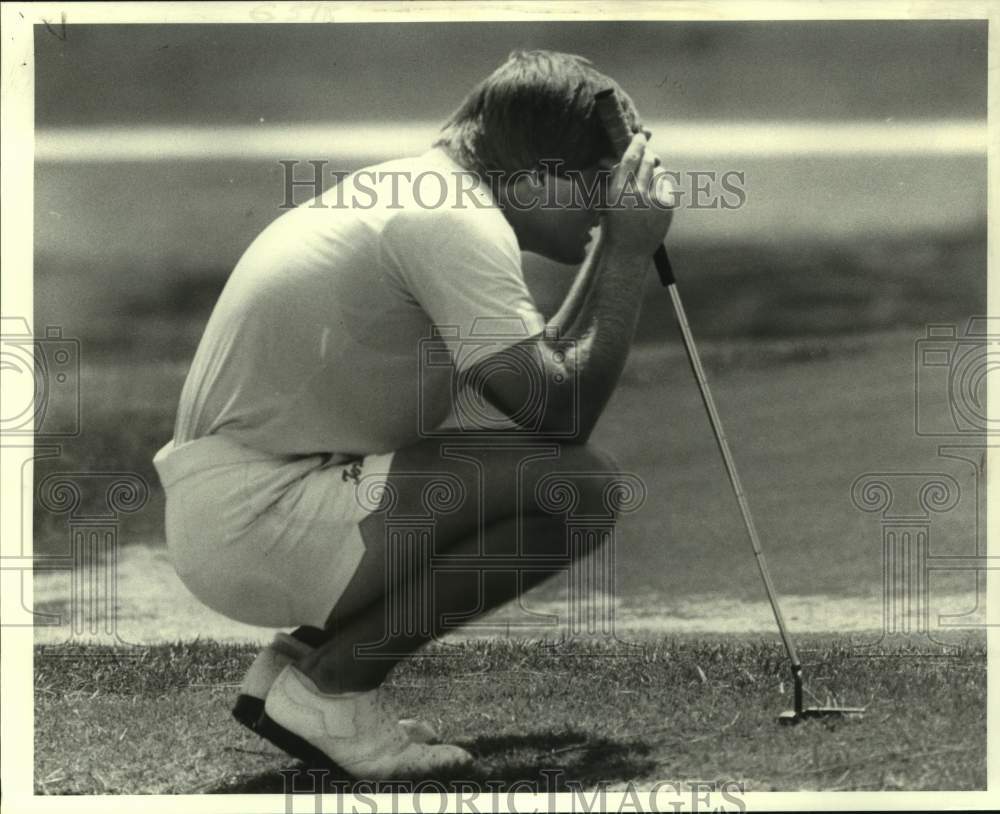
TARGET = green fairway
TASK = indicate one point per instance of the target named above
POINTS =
(674, 708)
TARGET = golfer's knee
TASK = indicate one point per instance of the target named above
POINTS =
(587, 459)
(581, 483)
(602, 461)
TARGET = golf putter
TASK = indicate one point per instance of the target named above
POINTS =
(613, 118)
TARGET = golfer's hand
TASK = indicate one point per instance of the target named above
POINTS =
(639, 207)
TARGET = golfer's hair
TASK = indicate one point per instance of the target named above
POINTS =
(538, 105)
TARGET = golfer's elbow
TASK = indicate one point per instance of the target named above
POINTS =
(545, 395)
(570, 413)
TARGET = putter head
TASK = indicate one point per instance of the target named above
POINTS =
(791, 717)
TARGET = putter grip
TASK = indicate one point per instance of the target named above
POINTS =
(613, 118)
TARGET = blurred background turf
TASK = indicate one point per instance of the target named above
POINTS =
(824, 243)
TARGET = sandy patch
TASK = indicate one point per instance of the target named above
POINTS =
(152, 605)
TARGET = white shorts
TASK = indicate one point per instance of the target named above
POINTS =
(266, 540)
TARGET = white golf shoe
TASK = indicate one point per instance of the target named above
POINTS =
(352, 731)
(283, 650)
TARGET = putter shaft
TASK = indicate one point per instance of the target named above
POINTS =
(734, 479)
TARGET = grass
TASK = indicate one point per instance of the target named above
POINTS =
(158, 722)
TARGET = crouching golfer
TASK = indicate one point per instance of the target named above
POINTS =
(314, 383)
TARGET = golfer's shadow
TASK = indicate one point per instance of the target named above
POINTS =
(542, 762)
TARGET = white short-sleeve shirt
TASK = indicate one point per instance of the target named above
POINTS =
(343, 325)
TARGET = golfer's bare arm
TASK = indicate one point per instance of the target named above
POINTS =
(597, 321)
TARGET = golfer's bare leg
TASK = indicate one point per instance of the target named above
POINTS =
(483, 525)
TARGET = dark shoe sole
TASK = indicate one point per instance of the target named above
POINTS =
(247, 710)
